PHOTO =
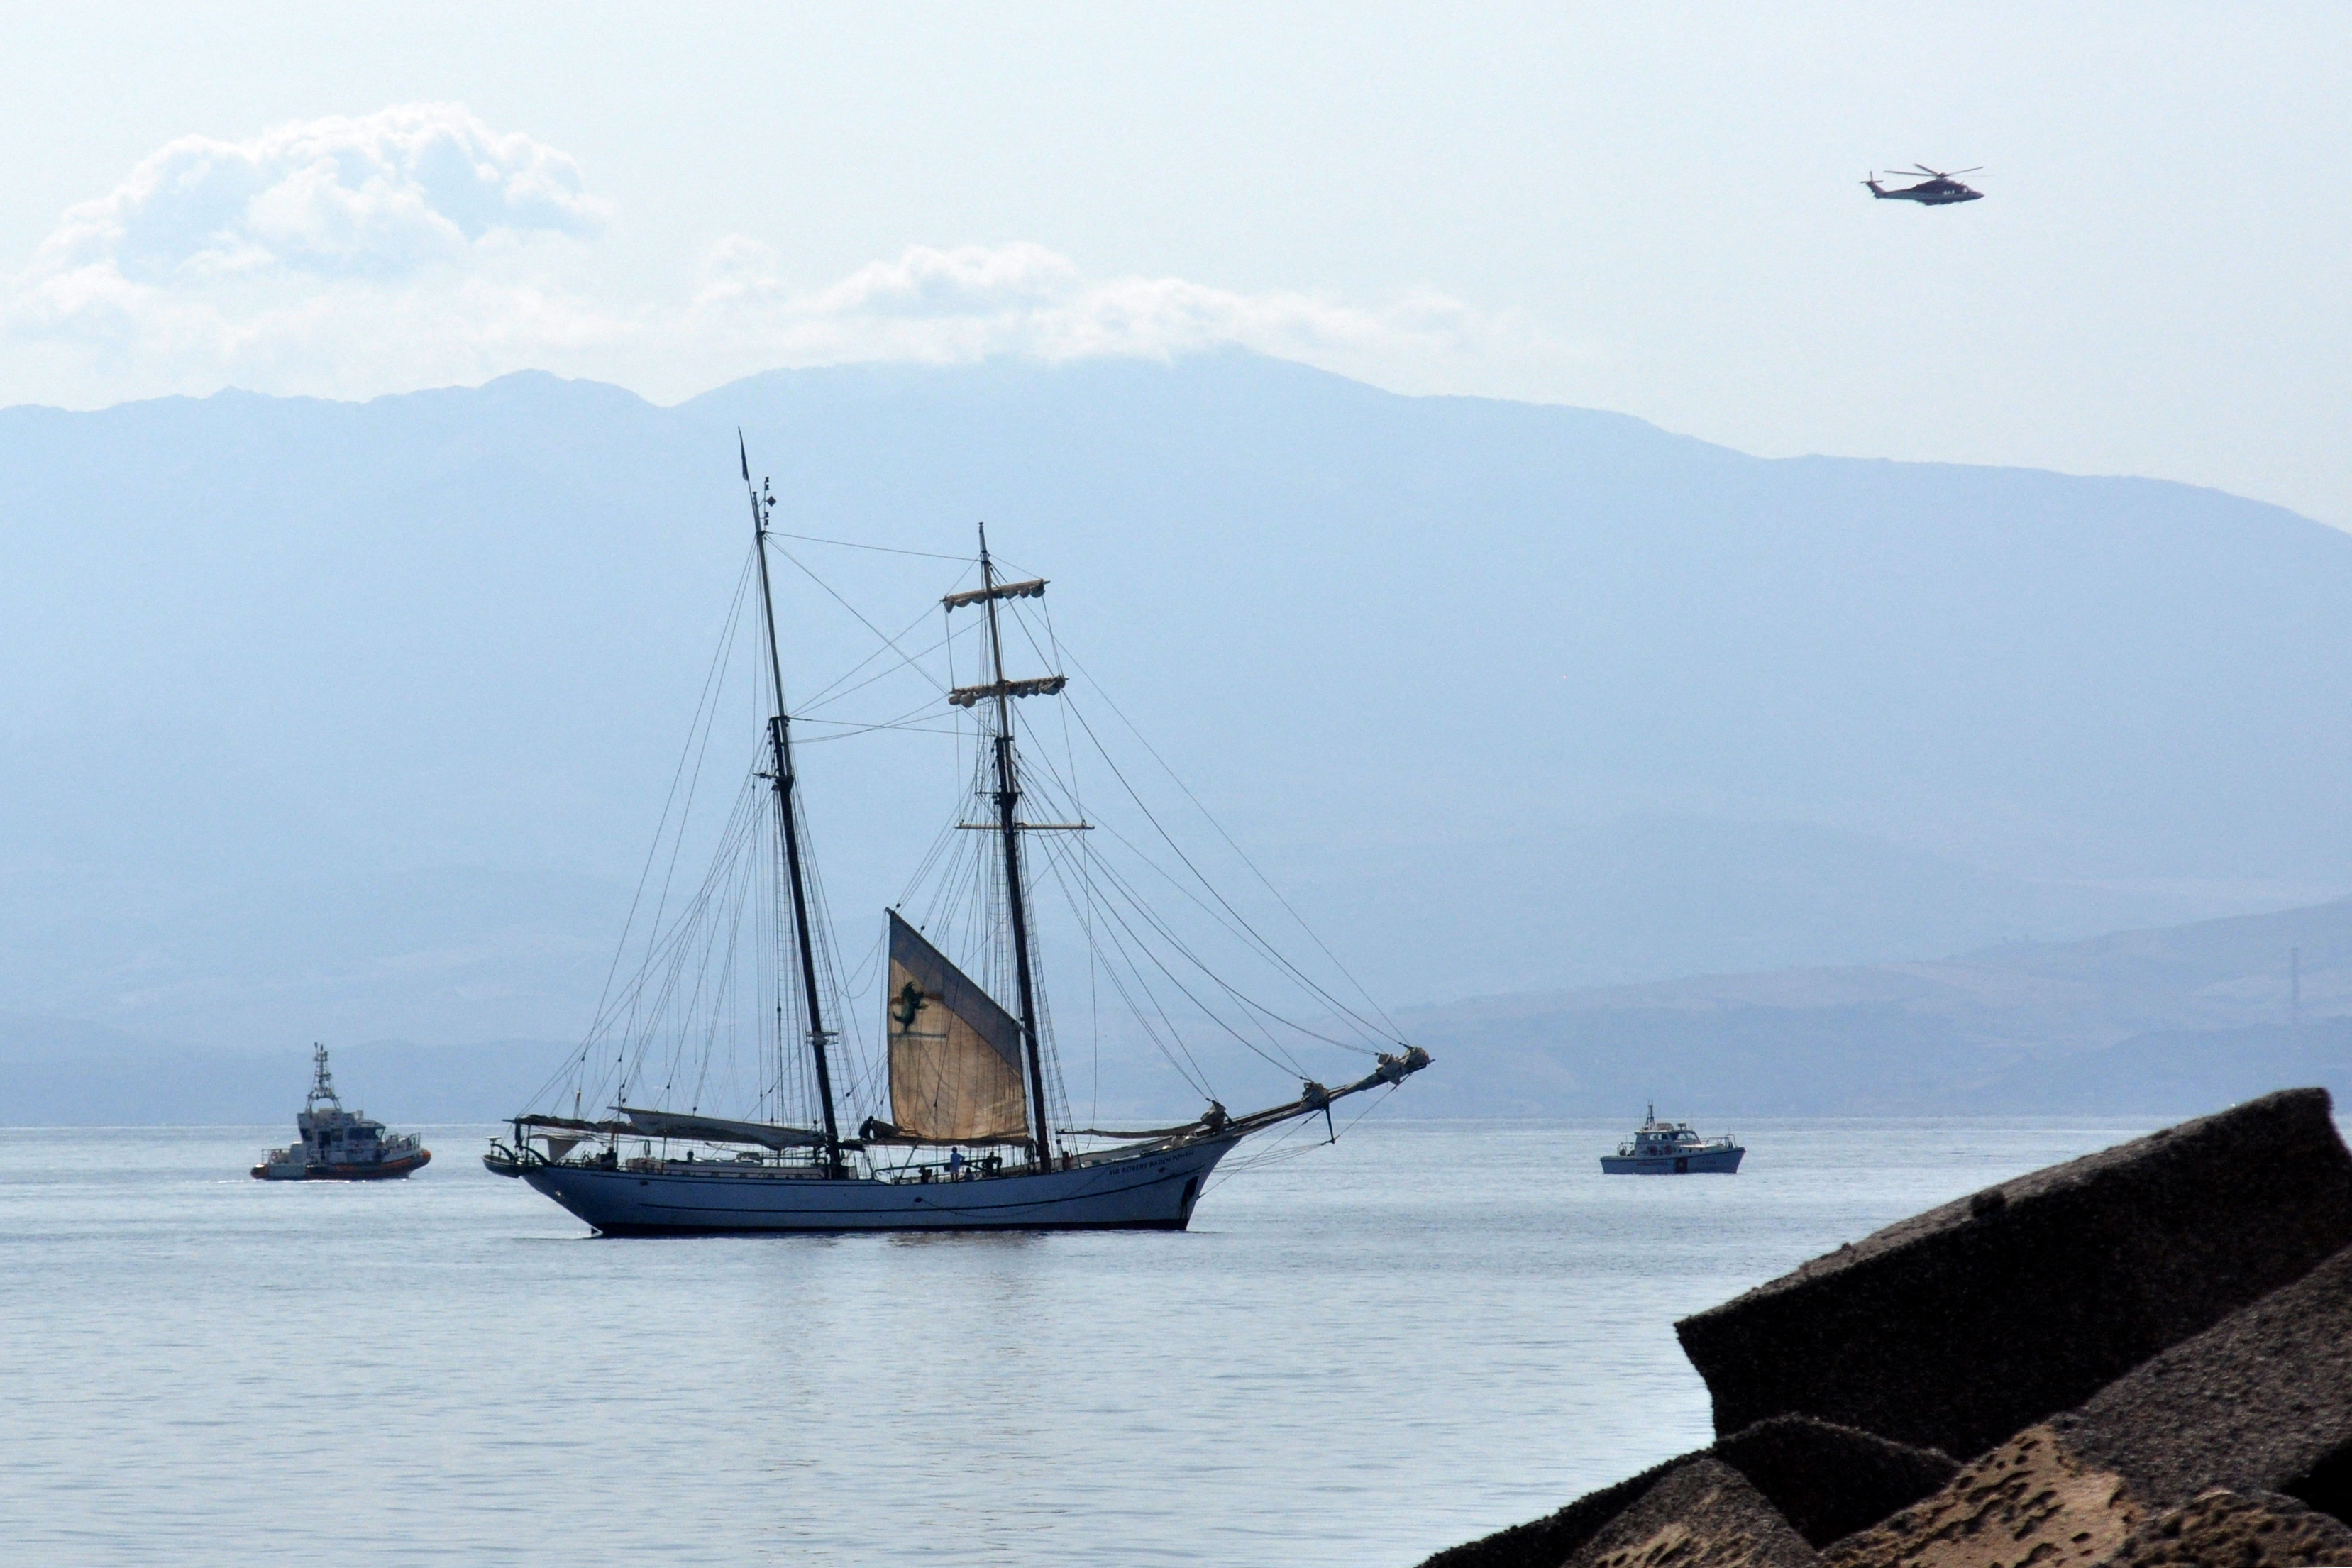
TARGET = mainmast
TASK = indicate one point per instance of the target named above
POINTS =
(1008, 796)
(779, 741)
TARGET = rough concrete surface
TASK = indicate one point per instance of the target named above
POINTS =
(2028, 1501)
(1828, 1480)
(2260, 1402)
(1956, 1328)
(1825, 1481)
(1548, 1543)
(2221, 1528)
(1701, 1514)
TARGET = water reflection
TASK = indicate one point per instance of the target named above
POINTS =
(1423, 1332)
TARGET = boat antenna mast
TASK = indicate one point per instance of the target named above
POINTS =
(780, 742)
(322, 1082)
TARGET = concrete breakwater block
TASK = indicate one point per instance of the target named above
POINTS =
(2259, 1404)
(1821, 1480)
(1700, 1515)
(2221, 1528)
(1960, 1326)
(1548, 1541)
(1827, 1481)
(2030, 1500)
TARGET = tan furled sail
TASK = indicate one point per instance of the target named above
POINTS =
(955, 1055)
(712, 1129)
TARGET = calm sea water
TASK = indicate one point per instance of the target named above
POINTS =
(1357, 1356)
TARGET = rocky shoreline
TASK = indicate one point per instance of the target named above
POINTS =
(2141, 1357)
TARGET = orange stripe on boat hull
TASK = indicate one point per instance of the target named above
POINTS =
(388, 1170)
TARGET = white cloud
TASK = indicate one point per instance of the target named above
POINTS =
(386, 193)
(418, 246)
(972, 302)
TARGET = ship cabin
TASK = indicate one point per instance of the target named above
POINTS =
(339, 1138)
(1662, 1138)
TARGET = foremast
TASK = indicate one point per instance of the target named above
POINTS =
(779, 741)
(1000, 692)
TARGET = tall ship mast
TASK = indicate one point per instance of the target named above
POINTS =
(780, 744)
(964, 1135)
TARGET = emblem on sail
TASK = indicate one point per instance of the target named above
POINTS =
(955, 1055)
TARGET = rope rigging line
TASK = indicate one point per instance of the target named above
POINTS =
(678, 844)
(1390, 1031)
(857, 1086)
(1265, 948)
(1189, 1068)
(1249, 937)
(723, 988)
(1083, 876)
(671, 954)
(834, 690)
(1090, 857)
(705, 712)
(889, 641)
(1247, 934)
(1199, 1006)
(879, 549)
(1087, 913)
(1275, 1154)
(1143, 912)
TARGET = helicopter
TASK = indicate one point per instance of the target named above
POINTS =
(1938, 190)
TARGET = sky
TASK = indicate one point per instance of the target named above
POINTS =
(1650, 208)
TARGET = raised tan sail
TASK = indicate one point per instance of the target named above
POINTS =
(955, 1055)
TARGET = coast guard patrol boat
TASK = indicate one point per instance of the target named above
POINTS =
(1672, 1148)
(340, 1145)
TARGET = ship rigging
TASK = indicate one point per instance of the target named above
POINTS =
(970, 1125)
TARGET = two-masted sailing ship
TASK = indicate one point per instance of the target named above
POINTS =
(970, 1140)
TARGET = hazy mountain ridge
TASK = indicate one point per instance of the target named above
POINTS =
(2162, 1020)
(1510, 697)
(2221, 974)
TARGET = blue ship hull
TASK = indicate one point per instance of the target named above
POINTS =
(1150, 1190)
(1712, 1162)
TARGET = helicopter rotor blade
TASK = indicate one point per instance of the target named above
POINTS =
(1979, 169)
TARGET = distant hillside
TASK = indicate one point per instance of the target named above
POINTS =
(352, 720)
(55, 1074)
(2159, 1021)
